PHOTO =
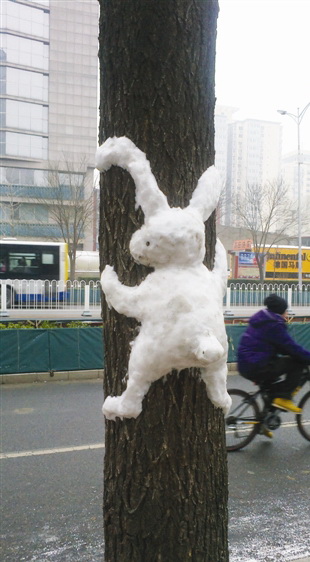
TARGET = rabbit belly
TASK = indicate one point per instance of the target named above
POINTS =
(180, 345)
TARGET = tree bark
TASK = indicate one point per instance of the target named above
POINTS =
(165, 473)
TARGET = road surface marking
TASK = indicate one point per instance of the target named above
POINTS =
(39, 452)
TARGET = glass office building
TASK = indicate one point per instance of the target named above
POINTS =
(48, 105)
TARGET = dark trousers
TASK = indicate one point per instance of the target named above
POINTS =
(287, 366)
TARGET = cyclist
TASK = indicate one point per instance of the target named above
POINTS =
(266, 351)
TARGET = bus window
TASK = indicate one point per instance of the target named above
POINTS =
(49, 264)
(3, 266)
(33, 260)
(19, 263)
(41, 264)
(48, 259)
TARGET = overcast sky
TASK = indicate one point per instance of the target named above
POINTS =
(262, 62)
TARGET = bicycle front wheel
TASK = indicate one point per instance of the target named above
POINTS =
(242, 422)
(303, 419)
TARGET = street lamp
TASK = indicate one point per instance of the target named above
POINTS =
(298, 118)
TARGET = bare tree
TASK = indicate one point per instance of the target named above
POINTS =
(268, 214)
(224, 201)
(70, 203)
(165, 473)
(9, 209)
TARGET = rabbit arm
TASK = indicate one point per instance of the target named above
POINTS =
(220, 265)
(124, 299)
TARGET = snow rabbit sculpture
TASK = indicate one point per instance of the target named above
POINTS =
(179, 304)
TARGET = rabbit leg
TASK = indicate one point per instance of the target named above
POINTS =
(220, 265)
(142, 371)
(129, 404)
(209, 349)
(215, 377)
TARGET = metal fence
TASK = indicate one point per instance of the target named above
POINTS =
(85, 296)
(254, 294)
(81, 296)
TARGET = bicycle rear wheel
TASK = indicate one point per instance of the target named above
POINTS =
(242, 422)
(303, 419)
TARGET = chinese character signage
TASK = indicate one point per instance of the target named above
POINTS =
(247, 258)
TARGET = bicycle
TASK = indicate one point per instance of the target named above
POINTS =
(246, 418)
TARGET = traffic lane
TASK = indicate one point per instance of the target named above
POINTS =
(68, 414)
(51, 415)
(52, 507)
(269, 496)
(58, 472)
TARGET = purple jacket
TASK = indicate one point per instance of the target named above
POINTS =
(266, 337)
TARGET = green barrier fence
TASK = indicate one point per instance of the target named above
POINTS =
(299, 331)
(77, 349)
(59, 349)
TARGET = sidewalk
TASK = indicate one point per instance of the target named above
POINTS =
(69, 376)
(51, 377)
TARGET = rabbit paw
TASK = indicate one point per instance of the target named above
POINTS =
(116, 407)
(108, 276)
(224, 403)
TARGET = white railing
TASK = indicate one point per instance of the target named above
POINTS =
(253, 295)
(84, 296)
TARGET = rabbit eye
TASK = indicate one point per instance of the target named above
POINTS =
(147, 243)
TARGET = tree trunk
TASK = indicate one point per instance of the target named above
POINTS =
(261, 267)
(165, 473)
(72, 259)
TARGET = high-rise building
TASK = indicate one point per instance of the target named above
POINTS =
(48, 108)
(290, 175)
(222, 119)
(253, 156)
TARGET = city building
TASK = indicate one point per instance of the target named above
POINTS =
(290, 175)
(247, 152)
(222, 119)
(48, 111)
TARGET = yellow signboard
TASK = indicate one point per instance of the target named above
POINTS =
(282, 262)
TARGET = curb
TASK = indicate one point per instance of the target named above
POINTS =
(22, 378)
(55, 376)
(232, 367)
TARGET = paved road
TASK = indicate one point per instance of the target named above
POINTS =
(52, 437)
(269, 488)
(52, 490)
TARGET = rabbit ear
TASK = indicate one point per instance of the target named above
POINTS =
(207, 193)
(121, 151)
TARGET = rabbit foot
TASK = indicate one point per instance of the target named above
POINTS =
(116, 407)
(224, 402)
(209, 350)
